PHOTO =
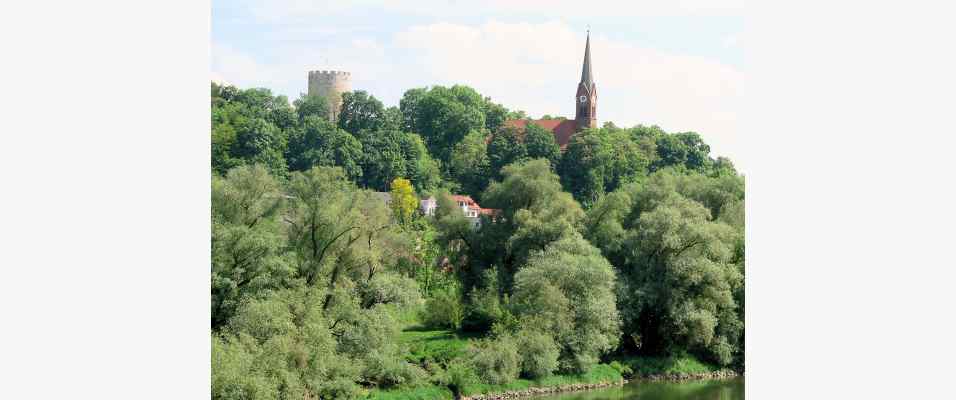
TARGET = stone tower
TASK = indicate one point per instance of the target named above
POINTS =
(331, 85)
(585, 100)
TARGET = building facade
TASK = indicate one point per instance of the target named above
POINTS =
(469, 208)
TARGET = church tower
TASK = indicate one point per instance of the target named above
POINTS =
(586, 98)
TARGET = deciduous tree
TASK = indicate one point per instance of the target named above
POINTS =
(403, 201)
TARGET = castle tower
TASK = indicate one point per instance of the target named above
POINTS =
(331, 85)
(585, 99)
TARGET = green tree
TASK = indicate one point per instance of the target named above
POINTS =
(403, 203)
(392, 154)
(495, 115)
(318, 142)
(469, 165)
(506, 147)
(274, 109)
(540, 144)
(247, 245)
(248, 127)
(316, 106)
(534, 213)
(601, 160)
(681, 268)
(361, 111)
(443, 116)
(685, 149)
(568, 291)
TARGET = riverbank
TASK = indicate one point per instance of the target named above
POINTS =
(677, 377)
(599, 377)
(537, 391)
(680, 367)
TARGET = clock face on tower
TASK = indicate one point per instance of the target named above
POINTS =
(583, 99)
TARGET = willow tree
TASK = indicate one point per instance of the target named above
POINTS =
(567, 292)
(248, 255)
(535, 212)
(677, 241)
(342, 237)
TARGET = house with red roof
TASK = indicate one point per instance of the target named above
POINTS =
(469, 208)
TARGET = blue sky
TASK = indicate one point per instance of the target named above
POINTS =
(675, 64)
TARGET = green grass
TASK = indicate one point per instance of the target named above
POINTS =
(598, 373)
(440, 345)
(445, 345)
(416, 393)
(678, 364)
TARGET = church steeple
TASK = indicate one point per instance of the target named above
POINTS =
(585, 99)
(586, 77)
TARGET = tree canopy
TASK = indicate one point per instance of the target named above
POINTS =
(629, 242)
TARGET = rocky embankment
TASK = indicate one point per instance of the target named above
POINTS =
(536, 391)
(721, 374)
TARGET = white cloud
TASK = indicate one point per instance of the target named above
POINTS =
(218, 79)
(303, 10)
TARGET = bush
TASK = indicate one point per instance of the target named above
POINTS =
(387, 370)
(444, 310)
(484, 307)
(233, 373)
(680, 363)
(622, 369)
(460, 373)
(496, 360)
(539, 354)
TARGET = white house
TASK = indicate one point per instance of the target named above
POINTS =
(469, 208)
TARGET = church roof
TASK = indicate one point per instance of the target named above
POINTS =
(561, 128)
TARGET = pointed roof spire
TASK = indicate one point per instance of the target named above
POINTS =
(586, 77)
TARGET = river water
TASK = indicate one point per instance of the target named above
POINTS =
(720, 389)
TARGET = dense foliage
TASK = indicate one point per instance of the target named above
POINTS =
(629, 244)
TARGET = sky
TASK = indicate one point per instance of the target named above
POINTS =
(675, 64)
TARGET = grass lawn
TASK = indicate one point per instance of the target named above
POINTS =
(438, 345)
(417, 393)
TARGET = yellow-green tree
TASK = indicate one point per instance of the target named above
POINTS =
(404, 201)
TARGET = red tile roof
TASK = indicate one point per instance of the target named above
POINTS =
(472, 205)
(490, 211)
(465, 198)
(562, 129)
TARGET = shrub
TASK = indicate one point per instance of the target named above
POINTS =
(485, 307)
(539, 353)
(460, 373)
(388, 370)
(444, 310)
(622, 369)
(233, 373)
(496, 360)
